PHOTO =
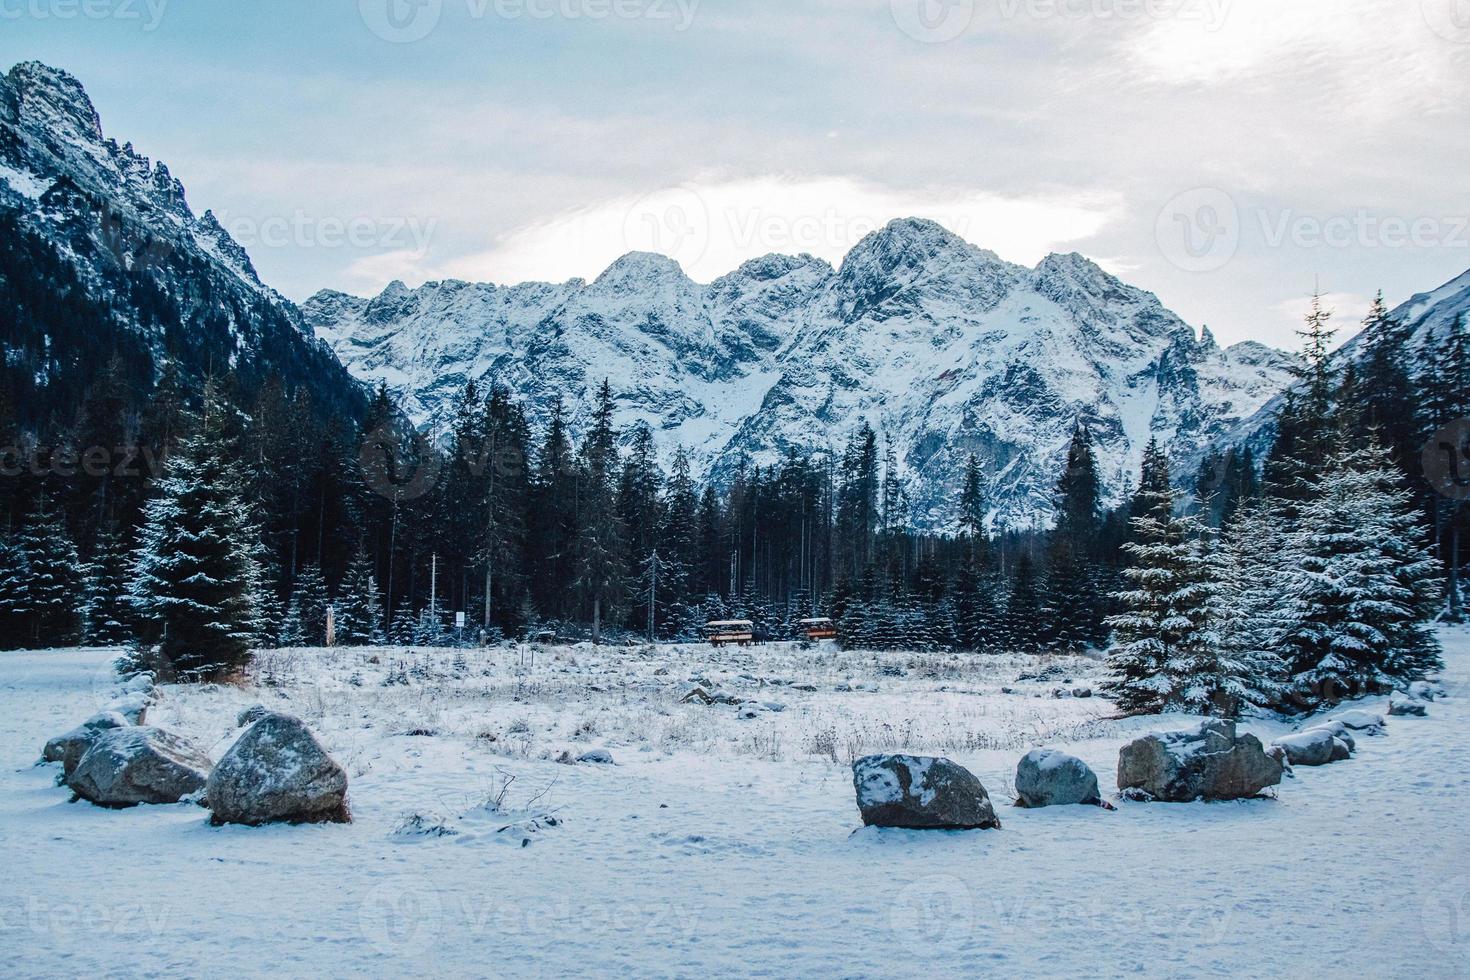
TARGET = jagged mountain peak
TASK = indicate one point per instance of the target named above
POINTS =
(635, 268)
(915, 245)
(49, 98)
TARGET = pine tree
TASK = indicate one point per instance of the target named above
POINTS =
(1238, 667)
(973, 504)
(55, 591)
(15, 573)
(307, 608)
(1026, 616)
(106, 611)
(601, 574)
(1161, 641)
(1363, 586)
(359, 611)
(195, 577)
(1306, 427)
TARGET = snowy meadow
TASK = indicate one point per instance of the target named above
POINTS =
(553, 810)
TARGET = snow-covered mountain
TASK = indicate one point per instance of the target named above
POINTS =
(942, 346)
(101, 256)
(1427, 317)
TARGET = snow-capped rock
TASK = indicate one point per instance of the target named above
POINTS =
(942, 345)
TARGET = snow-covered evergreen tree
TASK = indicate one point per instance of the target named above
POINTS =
(306, 611)
(401, 631)
(195, 577)
(1162, 640)
(1237, 666)
(106, 611)
(14, 611)
(359, 612)
(55, 590)
(1363, 586)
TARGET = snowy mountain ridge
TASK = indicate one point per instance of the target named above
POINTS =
(943, 346)
(111, 231)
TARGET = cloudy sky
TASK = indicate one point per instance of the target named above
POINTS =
(1227, 154)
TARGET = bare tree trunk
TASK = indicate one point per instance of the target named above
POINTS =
(1457, 612)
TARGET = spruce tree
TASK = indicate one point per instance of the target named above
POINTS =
(1162, 642)
(601, 573)
(1362, 584)
(15, 573)
(359, 610)
(195, 577)
(106, 611)
(1238, 667)
(55, 592)
(307, 608)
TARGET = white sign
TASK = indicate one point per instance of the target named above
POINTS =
(459, 620)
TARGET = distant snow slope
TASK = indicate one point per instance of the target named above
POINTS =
(943, 346)
(1428, 317)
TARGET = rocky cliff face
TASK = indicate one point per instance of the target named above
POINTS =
(101, 256)
(942, 346)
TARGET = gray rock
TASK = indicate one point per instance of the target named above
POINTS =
(1206, 762)
(251, 715)
(1082, 692)
(277, 772)
(600, 757)
(1049, 778)
(132, 706)
(69, 748)
(1425, 690)
(133, 765)
(1339, 730)
(921, 794)
(1403, 707)
(1313, 747)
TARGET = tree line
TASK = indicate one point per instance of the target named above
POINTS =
(267, 514)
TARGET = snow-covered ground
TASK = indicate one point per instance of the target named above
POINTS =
(718, 844)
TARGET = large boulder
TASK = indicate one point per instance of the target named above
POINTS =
(1340, 731)
(69, 748)
(1046, 777)
(1209, 761)
(1313, 747)
(277, 771)
(920, 794)
(128, 766)
(1401, 706)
